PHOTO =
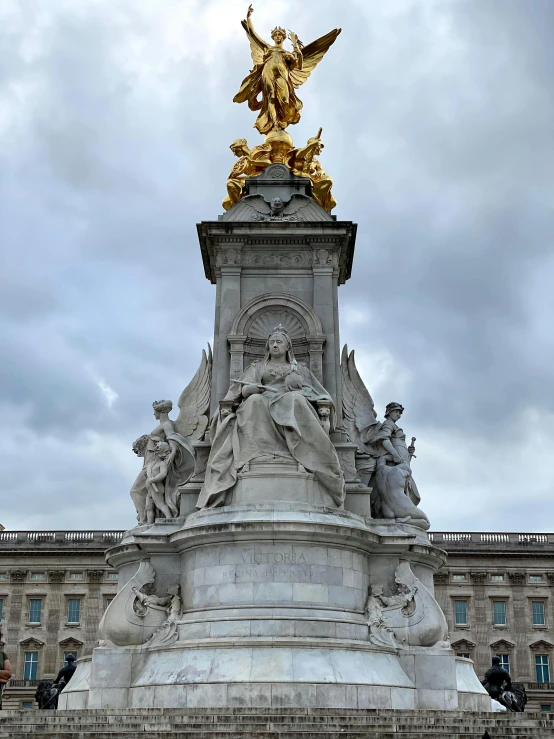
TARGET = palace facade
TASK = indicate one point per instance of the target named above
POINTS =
(496, 591)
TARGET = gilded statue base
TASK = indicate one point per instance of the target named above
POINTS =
(278, 148)
(281, 145)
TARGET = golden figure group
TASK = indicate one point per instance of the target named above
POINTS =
(278, 73)
(270, 88)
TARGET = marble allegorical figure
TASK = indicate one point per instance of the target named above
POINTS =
(379, 633)
(276, 409)
(166, 633)
(167, 450)
(395, 494)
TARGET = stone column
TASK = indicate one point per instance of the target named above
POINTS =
(16, 617)
(480, 618)
(92, 609)
(56, 619)
(520, 605)
(325, 307)
(227, 307)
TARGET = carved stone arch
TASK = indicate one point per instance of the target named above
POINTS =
(259, 316)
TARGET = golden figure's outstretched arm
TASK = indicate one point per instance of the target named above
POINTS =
(258, 46)
(312, 54)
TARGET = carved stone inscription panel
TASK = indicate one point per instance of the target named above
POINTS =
(284, 574)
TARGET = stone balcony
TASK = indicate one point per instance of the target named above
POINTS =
(492, 541)
(449, 540)
(22, 541)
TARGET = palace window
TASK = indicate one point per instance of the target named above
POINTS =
(460, 612)
(504, 661)
(3, 575)
(38, 575)
(26, 705)
(538, 613)
(112, 575)
(75, 575)
(542, 668)
(499, 612)
(546, 707)
(73, 610)
(497, 578)
(458, 578)
(463, 654)
(535, 578)
(30, 666)
(35, 611)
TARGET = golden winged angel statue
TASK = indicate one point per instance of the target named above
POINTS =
(277, 73)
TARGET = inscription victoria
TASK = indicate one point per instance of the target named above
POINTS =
(275, 566)
(259, 558)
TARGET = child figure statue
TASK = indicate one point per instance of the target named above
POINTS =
(156, 472)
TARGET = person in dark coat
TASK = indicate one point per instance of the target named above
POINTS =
(498, 685)
(46, 695)
(66, 673)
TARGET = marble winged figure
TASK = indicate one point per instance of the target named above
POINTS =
(277, 73)
(279, 410)
(395, 494)
(168, 450)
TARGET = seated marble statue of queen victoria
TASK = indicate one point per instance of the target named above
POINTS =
(276, 401)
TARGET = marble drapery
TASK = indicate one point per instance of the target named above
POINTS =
(277, 423)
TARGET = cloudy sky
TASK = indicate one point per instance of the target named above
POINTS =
(438, 121)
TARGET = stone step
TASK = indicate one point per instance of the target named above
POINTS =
(288, 732)
(259, 723)
(272, 723)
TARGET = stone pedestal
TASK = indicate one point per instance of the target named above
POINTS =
(274, 597)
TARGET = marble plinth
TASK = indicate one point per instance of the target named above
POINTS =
(274, 597)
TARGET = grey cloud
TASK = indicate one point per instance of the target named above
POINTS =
(437, 120)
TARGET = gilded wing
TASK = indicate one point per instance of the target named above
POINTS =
(357, 403)
(194, 403)
(312, 54)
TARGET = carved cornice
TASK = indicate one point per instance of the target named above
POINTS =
(502, 644)
(337, 236)
(95, 575)
(18, 575)
(517, 578)
(32, 642)
(541, 646)
(463, 644)
(440, 578)
(56, 575)
(478, 577)
(71, 642)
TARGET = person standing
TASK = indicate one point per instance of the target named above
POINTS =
(66, 673)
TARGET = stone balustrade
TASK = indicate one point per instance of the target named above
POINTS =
(446, 539)
(26, 539)
(457, 539)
